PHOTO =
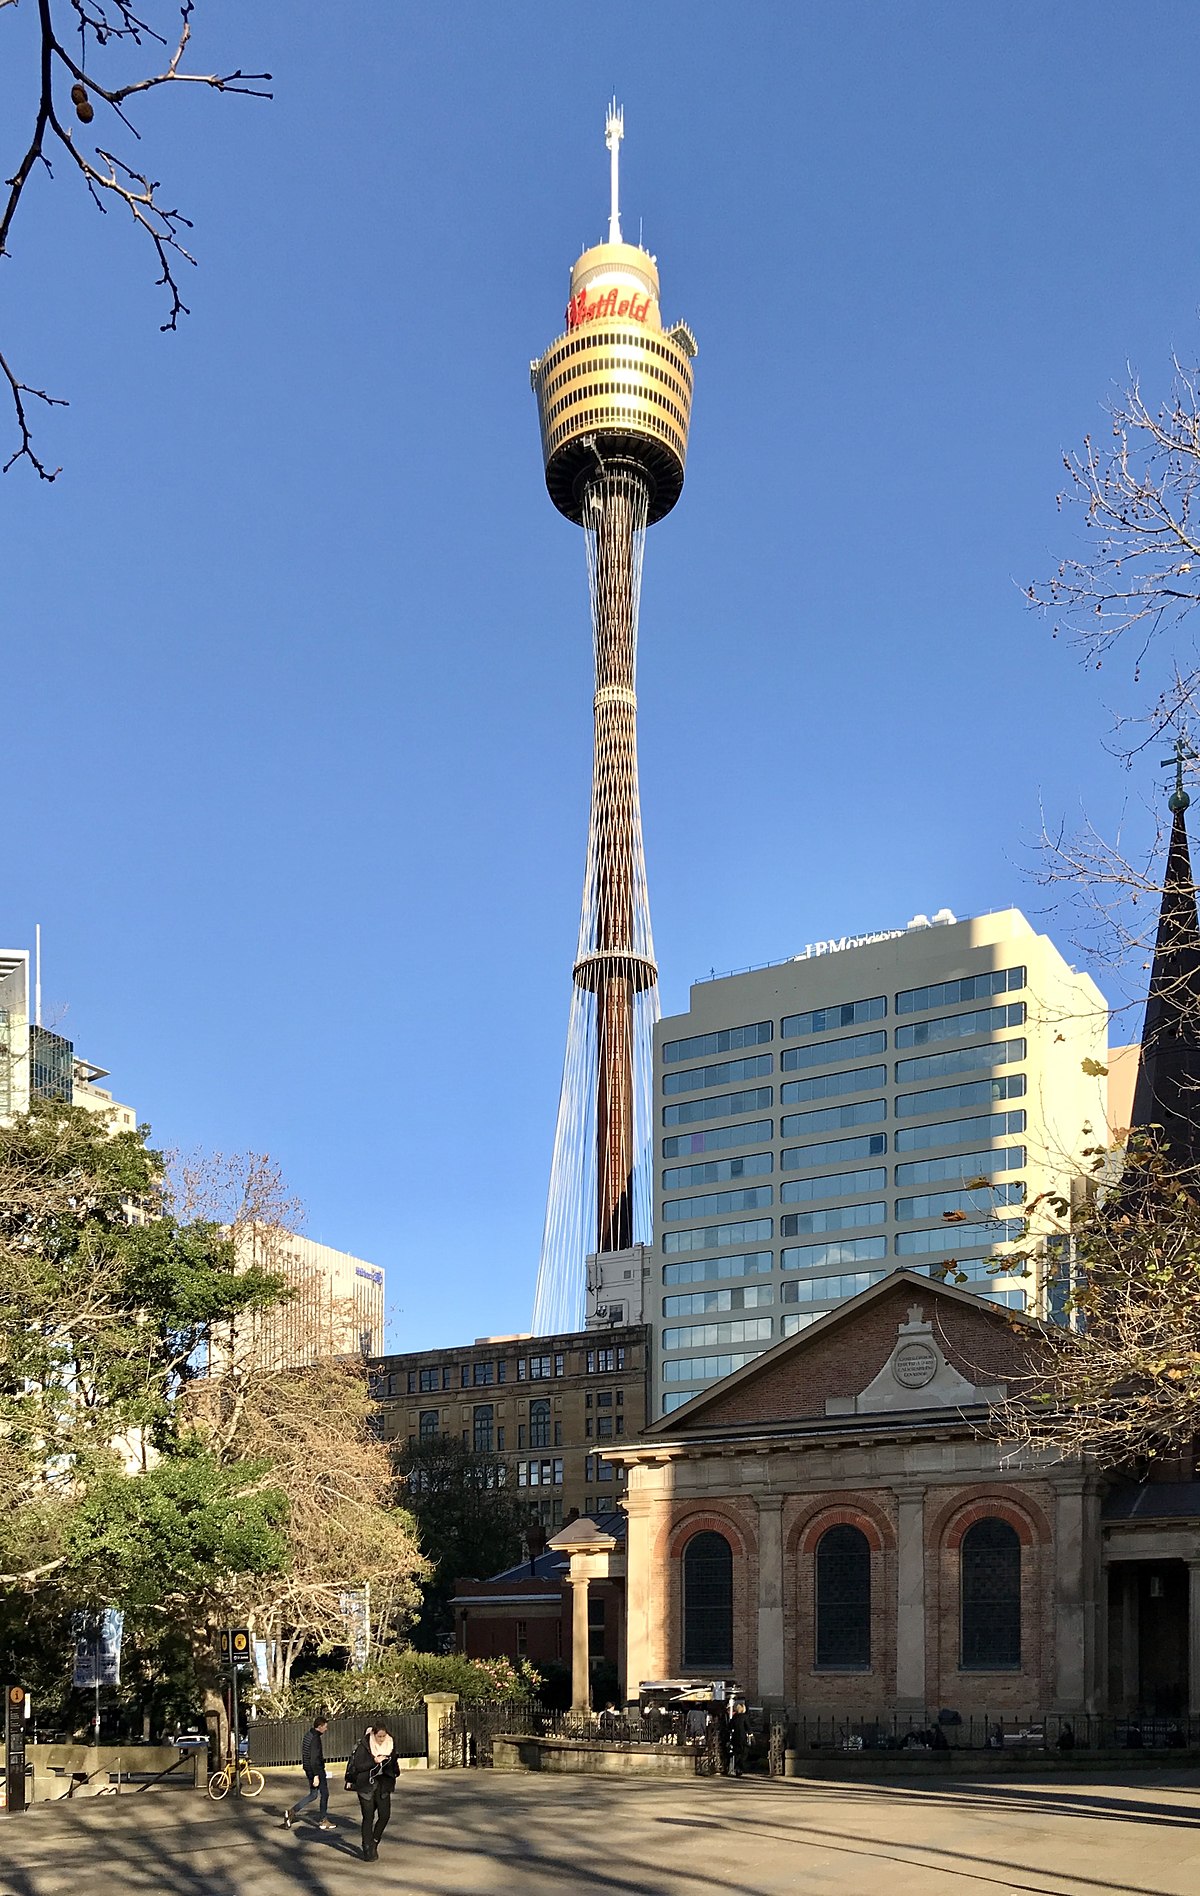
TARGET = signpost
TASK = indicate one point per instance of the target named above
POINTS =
(15, 1701)
(236, 1652)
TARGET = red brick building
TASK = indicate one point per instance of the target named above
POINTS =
(833, 1526)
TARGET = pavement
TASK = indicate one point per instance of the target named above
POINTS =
(479, 1833)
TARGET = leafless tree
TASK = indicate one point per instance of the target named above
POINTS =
(1136, 581)
(74, 43)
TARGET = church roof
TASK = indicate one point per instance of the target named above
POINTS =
(1167, 1094)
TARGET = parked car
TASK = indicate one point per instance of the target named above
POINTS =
(186, 1740)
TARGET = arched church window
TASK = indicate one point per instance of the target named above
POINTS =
(708, 1602)
(844, 1599)
(990, 1578)
(539, 1425)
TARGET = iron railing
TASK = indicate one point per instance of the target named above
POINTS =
(1062, 1732)
(279, 1740)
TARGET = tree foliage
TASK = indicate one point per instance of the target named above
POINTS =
(1120, 1380)
(398, 1681)
(470, 1523)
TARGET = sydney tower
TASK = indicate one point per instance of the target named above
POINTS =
(614, 395)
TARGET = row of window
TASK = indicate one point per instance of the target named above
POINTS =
(937, 1099)
(945, 1237)
(982, 1020)
(820, 1020)
(630, 364)
(704, 1270)
(861, 1146)
(437, 1378)
(716, 1171)
(720, 1106)
(613, 415)
(699, 1336)
(718, 1138)
(832, 1052)
(709, 1204)
(753, 1066)
(616, 339)
(989, 1579)
(725, 1040)
(695, 1303)
(606, 390)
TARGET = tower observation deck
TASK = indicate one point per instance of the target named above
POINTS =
(614, 395)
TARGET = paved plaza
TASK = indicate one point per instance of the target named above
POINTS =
(480, 1832)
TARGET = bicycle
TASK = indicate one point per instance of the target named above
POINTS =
(250, 1781)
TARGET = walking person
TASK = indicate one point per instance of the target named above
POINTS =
(372, 1772)
(739, 1738)
(312, 1757)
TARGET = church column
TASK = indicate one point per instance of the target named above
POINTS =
(581, 1685)
(910, 1601)
(770, 1688)
(1193, 1568)
(1070, 1629)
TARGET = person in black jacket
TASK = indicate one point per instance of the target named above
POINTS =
(372, 1772)
(312, 1757)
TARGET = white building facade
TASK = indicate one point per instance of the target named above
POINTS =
(877, 1102)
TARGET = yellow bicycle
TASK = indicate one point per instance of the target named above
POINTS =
(250, 1781)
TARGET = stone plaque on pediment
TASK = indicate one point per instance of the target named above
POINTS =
(916, 1376)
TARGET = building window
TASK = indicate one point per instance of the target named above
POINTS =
(604, 1425)
(843, 1567)
(686, 1112)
(539, 1424)
(806, 1224)
(714, 1237)
(725, 1040)
(464, 1376)
(815, 1257)
(428, 1425)
(936, 1066)
(520, 1369)
(952, 1132)
(708, 1269)
(693, 1079)
(719, 1139)
(862, 1112)
(430, 1382)
(805, 1158)
(990, 1578)
(711, 1204)
(483, 1375)
(446, 1376)
(802, 1191)
(558, 1435)
(522, 1639)
(539, 1368)
(560, 1364)
(484, 1418)
(824, 1020)
(500, 1436)
(971, 987)
(949, 1098)
(832, 1085)
(501, 1371)
(818, 1053)
(699, 1336)
(717, 1171)
(412, 1382)
(708, 1602)
(945, 1238)
(982, 1020)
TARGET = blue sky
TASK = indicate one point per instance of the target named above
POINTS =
(297, 663)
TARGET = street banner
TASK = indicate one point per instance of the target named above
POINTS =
(354, 1604)
(98, 1638)
(261, 1675)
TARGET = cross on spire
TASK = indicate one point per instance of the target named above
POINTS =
(1181, 754)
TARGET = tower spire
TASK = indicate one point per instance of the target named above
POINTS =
(1167, 1094)
(614, 132)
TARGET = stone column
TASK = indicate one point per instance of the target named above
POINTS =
(1193, 1568)
(438, 1706)
(770, 1687)
(1070, 1629)
(910, 1601)
(581, 1683)
(618, 1595)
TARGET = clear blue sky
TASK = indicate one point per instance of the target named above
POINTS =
(297, 664)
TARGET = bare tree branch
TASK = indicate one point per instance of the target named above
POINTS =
(107, 24)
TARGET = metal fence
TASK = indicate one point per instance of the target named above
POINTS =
(279, 1740)
(991, 1732)
(468, 1733)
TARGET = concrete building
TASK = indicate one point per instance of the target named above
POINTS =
(542, 1406)
(337, 1308)
(36, 1063)
(876, 1102)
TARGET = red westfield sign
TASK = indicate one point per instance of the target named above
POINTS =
(615, 303)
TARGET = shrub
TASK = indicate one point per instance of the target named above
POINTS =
(400, 1680)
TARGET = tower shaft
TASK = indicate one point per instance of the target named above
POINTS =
(617, 963)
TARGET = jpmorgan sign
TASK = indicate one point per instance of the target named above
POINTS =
(814, 948)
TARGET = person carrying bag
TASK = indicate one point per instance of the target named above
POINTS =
(372, 1772)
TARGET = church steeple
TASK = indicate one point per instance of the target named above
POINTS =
(1167, 1094)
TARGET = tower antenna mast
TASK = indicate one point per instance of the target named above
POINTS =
(614, 132)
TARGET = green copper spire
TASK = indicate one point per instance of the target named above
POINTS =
(1182, 753)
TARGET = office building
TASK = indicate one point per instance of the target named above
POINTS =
(542, 1407)
(336, 1307)
(876, 1102)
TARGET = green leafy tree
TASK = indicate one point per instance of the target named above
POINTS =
(470, 1523)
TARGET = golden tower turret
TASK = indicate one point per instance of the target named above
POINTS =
(614, 396)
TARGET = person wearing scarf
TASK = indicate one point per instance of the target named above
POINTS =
(372, 1772)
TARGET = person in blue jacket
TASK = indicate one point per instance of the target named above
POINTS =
(312, 1757)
